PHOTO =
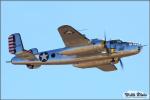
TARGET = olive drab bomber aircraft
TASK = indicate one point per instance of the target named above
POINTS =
(78, 51)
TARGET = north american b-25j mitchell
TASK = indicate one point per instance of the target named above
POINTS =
(78, 50)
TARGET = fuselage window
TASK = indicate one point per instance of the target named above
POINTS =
(53, 55)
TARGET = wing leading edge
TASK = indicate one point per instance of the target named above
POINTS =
(72, 37)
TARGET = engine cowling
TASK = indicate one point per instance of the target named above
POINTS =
(115, 60)
(34, 66)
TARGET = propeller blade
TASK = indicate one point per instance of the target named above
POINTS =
(110, 45)
(121, 63)
(105, 46)
(105, 36)
(107, 50)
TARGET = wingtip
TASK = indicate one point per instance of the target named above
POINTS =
(62, 26)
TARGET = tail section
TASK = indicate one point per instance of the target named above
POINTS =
(15, 43)
(24, 56)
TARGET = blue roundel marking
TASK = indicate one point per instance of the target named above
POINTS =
(43, 56)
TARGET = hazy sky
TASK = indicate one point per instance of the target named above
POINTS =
(37, 22)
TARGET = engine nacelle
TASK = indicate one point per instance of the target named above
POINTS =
(115, 60)
(34, 50)
(30, 66)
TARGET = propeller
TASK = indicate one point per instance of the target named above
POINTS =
(108, 52)
(121, 63)
(105, 46)
(114, 61)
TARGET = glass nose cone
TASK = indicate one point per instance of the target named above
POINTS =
(140, 47)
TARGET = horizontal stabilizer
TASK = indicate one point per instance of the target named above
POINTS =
(26, 55)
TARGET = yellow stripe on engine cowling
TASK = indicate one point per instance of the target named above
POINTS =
(112, 50)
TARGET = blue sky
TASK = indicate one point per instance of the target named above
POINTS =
(37, 21)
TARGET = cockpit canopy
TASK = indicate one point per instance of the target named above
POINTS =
(115, 41)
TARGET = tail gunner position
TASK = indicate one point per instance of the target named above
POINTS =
(78, 50)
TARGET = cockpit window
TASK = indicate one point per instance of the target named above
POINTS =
(115, 41)
(119, 41)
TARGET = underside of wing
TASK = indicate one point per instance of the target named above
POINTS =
(108, 67)
(72, 37)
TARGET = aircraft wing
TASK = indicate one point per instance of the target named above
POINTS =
(26, 55)
(108, 67)
(72, 37)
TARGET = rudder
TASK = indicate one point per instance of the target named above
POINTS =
(15, 43)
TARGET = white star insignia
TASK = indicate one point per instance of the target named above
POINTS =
(44, 57)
